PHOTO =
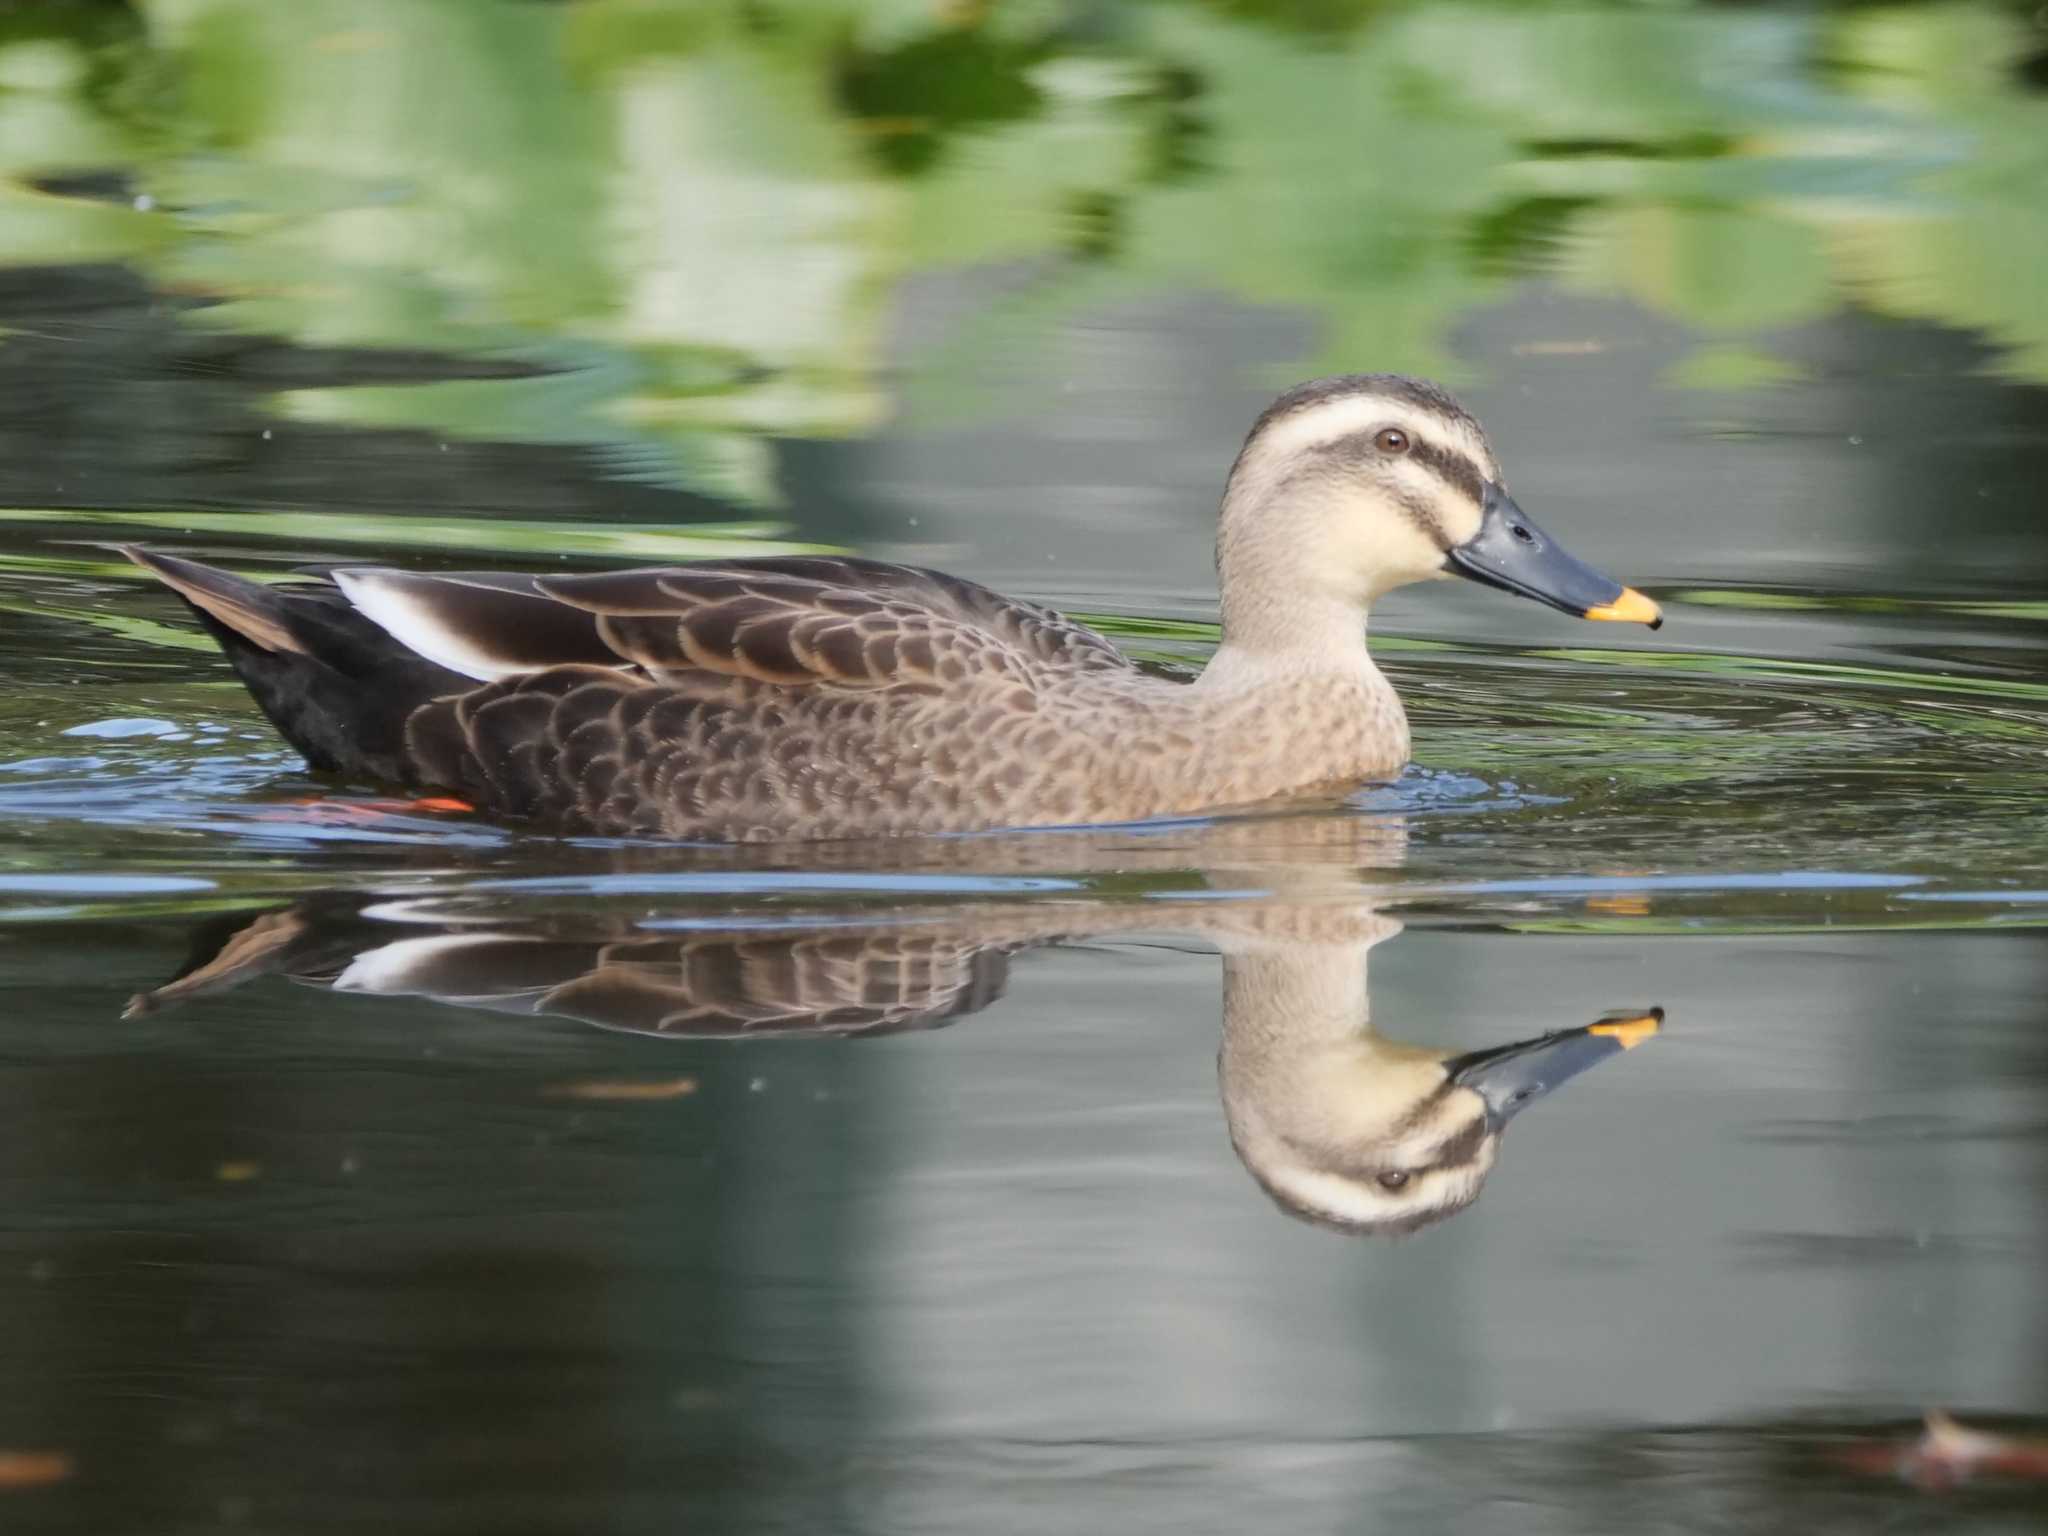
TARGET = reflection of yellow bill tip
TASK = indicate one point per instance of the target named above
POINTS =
(1630, 1029)
(1629, 608)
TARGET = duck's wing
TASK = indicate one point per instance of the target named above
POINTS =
(816, 984)
(798, 621)
(833, 981)
(721, 984)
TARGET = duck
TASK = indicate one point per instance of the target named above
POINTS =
(1342, 1126)
(830, 697)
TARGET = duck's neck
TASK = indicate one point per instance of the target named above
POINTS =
(1291, 700)
(1269, 635)
(1291, 697)
(1262, 723)
(1289, 998)
(1298, 1041)
(1287, 607)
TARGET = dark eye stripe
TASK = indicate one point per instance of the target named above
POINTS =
(1452, 467)
(1455, 1150)
(1419, 512)
(1459, 1148)
(1456, 469)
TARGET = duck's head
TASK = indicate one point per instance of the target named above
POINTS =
(1375, 1137)
(1349, 487)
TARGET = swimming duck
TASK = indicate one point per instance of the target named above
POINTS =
(817, 697)
(1339, 1124)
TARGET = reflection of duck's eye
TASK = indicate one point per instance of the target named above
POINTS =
(1392, 1180)
(1391, 440)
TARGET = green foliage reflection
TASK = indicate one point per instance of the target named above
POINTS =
(691, 222)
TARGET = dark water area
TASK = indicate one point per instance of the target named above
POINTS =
(368, 1166)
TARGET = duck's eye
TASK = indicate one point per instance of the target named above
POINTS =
(1394, 1180)
(1390, 440)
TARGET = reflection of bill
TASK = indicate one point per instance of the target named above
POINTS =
(1340, 1124)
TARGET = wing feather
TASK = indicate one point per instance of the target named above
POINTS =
(484, 626)
(795, 622)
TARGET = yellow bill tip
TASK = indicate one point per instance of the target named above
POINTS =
(1629, 608)
(1631, 1029)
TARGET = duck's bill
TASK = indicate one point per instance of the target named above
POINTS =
(1512, 553)
(1512, 1077)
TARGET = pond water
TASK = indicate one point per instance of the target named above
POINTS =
(371, 1166)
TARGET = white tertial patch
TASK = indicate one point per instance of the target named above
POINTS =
(395, 603)
(396, 967)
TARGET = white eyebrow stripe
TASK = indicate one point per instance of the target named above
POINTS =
(1329, 422)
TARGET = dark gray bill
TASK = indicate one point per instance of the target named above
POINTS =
(1511, 552)
(1511, 1077)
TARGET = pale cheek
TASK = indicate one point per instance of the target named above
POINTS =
(1460, 519)
(1404, 554)
(1349, 552)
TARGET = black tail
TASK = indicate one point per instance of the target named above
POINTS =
(336, 686)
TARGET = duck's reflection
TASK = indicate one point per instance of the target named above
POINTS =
(1339, 1123)
(1343, 1125)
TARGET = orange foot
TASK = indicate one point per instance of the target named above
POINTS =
(329, 806)
(1947, 1453)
